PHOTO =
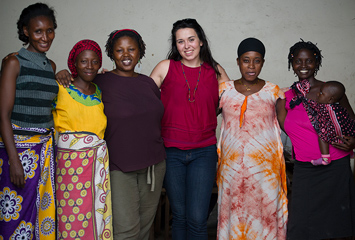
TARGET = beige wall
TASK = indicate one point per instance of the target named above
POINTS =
(279, 24)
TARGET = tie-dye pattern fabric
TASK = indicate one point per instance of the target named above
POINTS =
(83, 187)
(29, 213)
(252, 192)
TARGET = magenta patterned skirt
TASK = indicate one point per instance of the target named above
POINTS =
(83, 187)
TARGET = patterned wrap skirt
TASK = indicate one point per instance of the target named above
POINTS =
(83, 187)
(29, 213)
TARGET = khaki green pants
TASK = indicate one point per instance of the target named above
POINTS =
(133, 203)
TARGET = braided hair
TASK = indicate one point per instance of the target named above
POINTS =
(32, 11)
(115, 35)
(295, 49)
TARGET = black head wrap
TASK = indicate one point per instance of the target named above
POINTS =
(251, 44)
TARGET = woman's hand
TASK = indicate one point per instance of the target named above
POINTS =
(17, 175)
(104, 70)
(64, 78)
(347, 145)
(285, 89)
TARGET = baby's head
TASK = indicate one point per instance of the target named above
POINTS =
(331, 92)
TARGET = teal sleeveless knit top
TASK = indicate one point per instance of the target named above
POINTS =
(36, 88)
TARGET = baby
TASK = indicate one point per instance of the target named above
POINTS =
(327, 116)
(332, 120)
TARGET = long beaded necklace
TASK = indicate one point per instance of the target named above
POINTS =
(248, 88)
(188, 85)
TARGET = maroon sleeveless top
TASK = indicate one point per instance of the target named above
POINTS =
(188, 125)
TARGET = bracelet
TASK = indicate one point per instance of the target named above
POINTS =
(326, 157)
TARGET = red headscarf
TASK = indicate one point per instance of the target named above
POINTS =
(77, 49)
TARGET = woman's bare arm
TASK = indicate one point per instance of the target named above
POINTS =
(159, 72)
(10, 71)
(345, 103)
(281, 112)
(224, 77)
(348, 141)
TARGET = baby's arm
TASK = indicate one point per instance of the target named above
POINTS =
(325, 156)
(323, 146)
(324, 150)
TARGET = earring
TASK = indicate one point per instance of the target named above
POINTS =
(139, 63)
(113, 65)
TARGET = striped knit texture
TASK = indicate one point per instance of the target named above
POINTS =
(35, 90)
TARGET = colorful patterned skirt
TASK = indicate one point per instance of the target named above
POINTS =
(29, 213)
(83, 187)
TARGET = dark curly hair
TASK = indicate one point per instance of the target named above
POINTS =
(115, 35)
(205, 52)
(295, 49)
(32, 11)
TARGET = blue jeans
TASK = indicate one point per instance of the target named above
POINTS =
(189, 179)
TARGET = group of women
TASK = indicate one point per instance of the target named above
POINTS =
(161, 130)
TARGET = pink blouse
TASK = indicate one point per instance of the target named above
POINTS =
(302, 134)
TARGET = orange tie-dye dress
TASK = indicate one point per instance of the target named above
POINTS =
(252, 191)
